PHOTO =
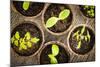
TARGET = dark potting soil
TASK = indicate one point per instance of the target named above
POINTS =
(34, 31)
(34, 8)
(85, 46)
(54, 10)
(62, 57)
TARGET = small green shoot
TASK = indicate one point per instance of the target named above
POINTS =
(53, 60)
(55, 52)
(26, 5)
(53, 20)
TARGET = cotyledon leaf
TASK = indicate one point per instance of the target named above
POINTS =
(79, 45)
(53, 60)
(51, 22)
(17, 36)
(64, 14)
(26, 5)
(28, 35)
(55, 49)
(35, 40)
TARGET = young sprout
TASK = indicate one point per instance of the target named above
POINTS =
(53, 20)
(25, 42)
(26, 5)
(55, 52)
(80, 36)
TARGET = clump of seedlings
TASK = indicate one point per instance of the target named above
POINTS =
(55, 52)
(53, 20)
(89, 11)
(82, 39)
(79, 36)
(25, 42)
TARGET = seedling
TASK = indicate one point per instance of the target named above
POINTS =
(25, 42)
(55, 52)
(62, 16)
(26, 5)
(79, 36)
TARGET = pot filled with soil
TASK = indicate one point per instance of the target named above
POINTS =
(81, 39)
(88, 11)
(57, 18)
(27, 39)
(54, 52)
(28, 8)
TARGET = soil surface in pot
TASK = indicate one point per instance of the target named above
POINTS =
(88, 11)
(33, 10)
(34, 32)
(62, 57)
(61, 25)
(84, 43)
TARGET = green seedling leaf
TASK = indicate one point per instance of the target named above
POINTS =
(79, 45)
(27, 35)
(51, 22)
(83, 29)
(35, 40)
(12, 39)
(55, 49)
(76, 34)
(86, 38)
(17, 36)
(29, 44)
(53, 60)
(22, 46)
(88, 35)
(26, 5)
(64, 14)
(16, 42)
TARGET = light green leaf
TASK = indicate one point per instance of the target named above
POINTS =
(83, 29)
(16, 42)
(17, 36)
(64, 14)
(79, 45)
(12, 39)
(35, 40)
(29, 44)
(53, 60)
(51, 22)
(26, 5)
(22, 46)
(88, 35)
(27, 35)
(55, 49)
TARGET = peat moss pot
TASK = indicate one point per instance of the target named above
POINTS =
(81, 39)
(26, 39)
(28, 8)
(88, 10)
(54, 53)
(57, 18)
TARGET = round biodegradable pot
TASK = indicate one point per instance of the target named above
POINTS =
(62, 26)
(88, 11)
(81, 39)
(35, 32)
(34, 9)
(62, 57)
